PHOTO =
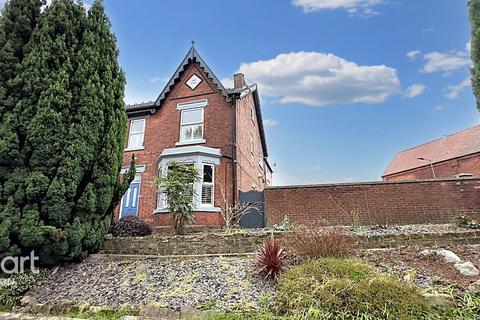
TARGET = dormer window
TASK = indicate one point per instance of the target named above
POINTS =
(136, 134)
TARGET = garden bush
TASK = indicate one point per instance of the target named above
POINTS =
(271, 259)
(130, 227)
(330, 287)
(318, 243)
(13, 287)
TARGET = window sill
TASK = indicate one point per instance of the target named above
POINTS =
(185, 143)
(209, 209)
(200, 209)
(134, 148)
(161, 210)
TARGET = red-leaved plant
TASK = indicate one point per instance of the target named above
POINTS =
(271, 259)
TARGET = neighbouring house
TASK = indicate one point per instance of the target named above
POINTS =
(455, 155)
(196, 120)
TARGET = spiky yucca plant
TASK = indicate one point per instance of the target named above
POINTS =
(271, 259)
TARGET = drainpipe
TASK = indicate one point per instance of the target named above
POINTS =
(234, 150)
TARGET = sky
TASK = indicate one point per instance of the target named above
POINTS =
(344, 84)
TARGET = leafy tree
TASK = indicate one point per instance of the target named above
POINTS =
(67, 132)
(178, 188)
(474, 8)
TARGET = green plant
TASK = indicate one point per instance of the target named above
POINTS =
(317, 243)
(270, 259)
(12, 287)
(130, 226)
(207, 305)
(335, 286)
(177, 185)
(474, 10)
(466, 307)
(62, 130)
(284, 225)
(98, 315)
(467, 221)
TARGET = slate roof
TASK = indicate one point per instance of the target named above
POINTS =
(448, 147)
(193, 56)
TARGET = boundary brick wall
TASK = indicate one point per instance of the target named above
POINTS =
(372, 203)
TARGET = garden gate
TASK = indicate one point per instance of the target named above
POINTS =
(254, 218)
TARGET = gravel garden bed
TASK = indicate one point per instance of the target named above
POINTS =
(407, 229)
(429, 272)
(216, 283)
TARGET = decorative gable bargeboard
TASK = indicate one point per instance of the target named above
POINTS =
(196, 120)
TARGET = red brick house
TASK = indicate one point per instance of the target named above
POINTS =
(196, 120)
(455, 155)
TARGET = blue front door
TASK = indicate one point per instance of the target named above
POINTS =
(130, 200)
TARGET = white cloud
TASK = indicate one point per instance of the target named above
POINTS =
(445, 62)
(439, 108)
(468, 46)
(321, 79)
(227, 82)
(454, 90)
(413, 54)
(362, 7)
(428, 29)
(270, 122)
(414, 90)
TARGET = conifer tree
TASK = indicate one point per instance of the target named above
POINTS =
(17, 22)
(71, 126)
(474, 8)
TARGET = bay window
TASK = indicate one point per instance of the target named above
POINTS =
(207, 185)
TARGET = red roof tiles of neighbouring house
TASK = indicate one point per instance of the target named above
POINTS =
(448, 147)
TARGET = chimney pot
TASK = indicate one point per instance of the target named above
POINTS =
(239, 81)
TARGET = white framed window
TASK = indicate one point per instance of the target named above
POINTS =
(162, 201)
(260, 158)
(191, 125)
(208, 173)
(136, 134)
(252, 113)
(161, 197)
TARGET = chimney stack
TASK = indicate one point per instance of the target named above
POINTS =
(238, 81)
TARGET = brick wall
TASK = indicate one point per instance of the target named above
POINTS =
(445, 169)
(402, 202)
(162, 130)
(250, 174)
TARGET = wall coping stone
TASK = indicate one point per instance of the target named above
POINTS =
(473, 179)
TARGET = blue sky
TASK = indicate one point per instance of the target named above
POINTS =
(345, 84)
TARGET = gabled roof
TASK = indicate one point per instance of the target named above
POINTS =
(192, 56)
(449, 147)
